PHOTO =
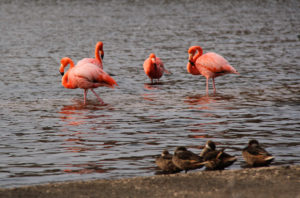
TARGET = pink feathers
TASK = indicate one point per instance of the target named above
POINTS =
(87, 74)
(154, 68)
(209, 65)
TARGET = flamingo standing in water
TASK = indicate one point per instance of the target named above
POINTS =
(154, 68)
(209, 65)
(85, 76)
(97, 60)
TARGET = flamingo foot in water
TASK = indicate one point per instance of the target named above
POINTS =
(214, 86)
(84, 96)
(100, 100)
(207, 86)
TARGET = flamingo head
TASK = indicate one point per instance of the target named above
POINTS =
(153, 58)
(63, 63)
(192, 50)
(99, 48)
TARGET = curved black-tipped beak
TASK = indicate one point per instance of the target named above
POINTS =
(192, 63)
(102, 56)
(62, 73)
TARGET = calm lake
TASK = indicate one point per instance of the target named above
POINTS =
(48, 134)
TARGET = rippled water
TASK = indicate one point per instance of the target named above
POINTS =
(48, 135)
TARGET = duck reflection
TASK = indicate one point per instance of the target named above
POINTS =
(85, 168)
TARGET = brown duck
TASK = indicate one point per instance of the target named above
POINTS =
(186, 160)
(216, 159)
(255, 155)
(164, 162)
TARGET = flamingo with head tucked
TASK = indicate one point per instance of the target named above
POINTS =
(99, 52)
(209, 65)
(154, 68)
(85, 76)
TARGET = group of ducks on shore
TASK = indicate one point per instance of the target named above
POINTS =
(211, 158)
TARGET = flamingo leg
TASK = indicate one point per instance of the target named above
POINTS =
(214, 85)
(100, 100)
(84, 96)
(206, 86)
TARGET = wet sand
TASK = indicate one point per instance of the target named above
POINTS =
(277, 181)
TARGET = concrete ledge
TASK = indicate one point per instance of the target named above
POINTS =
(281, 181)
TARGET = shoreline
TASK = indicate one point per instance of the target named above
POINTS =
(274, 181)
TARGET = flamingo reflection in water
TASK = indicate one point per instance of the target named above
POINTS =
(79, 141)
(152, 95)
(200, 102)
(78, 114)
(205, 104)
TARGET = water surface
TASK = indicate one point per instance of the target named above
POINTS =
(48, 135)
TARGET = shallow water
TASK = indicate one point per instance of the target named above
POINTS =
(48, 135)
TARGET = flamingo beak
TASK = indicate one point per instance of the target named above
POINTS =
(190, 59)
(61, 72)
(102, 55)
(192, 63)
(154, 62)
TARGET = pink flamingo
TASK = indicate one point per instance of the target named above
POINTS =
(209, 65)
(85, 76)
(154, 68)
(97, 60)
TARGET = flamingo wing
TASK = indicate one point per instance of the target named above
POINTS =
(91, 76)
(212, 62)
(90, 60)
(147, 66)
(160, 64)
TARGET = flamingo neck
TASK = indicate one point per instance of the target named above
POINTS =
(70, 61)
(200, 52)
(97, 55)
(65, 63)
(154, 65)
(65, 79)
(192, 69)
(191, 66)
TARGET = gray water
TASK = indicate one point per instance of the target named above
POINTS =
(48, 135)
